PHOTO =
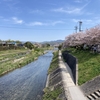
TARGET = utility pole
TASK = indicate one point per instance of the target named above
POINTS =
(76, 28)
(80, 24)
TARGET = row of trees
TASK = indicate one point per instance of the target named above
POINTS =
(8, 41)
(11, 44)
(89, 37)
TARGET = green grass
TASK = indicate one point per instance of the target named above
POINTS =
(8, 57)
(54, 63)
(11, 51)
(88, 64)
(9, 65)
(11, 54)
(51, 95)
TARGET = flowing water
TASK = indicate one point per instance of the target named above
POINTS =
(26, 83)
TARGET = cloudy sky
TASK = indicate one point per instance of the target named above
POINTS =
(46, 20)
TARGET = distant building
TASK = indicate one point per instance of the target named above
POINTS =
(12, 44)
(3, 43)
(56, 46)
(20, 45)
(38, 45)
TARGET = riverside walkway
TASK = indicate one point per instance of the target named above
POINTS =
(72, 92)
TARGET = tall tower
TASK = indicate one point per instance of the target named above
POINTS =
(76, 28)
(80, 24)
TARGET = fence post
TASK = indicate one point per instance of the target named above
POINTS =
(76, 71)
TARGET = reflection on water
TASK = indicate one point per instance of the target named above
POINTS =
(26, 83)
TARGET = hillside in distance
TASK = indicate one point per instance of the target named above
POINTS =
(53, 42)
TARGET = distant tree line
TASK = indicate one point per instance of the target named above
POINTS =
(11, 44)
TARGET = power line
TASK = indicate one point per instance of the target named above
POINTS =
(31, 28)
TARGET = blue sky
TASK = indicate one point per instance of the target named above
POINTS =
(45, 20)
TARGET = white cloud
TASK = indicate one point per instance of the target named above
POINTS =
(68, 10)
(17, 21)
(35, 24)
(88, 22)
(93, 21)
(81, 1)
(45, 24)
(57, 22)
(71, 9)
(85, 21)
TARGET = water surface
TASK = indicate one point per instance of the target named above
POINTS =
(26, 83)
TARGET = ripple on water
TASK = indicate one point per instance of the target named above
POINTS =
(26, 83)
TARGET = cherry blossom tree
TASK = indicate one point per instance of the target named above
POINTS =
(89, 37)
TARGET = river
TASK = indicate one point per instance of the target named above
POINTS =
(26, 83)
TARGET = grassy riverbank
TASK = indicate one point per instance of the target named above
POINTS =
(49, 93)
(12, 59)
(54, 63)
(88, 64)
(52, 95)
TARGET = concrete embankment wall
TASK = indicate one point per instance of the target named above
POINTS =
(62, 77)
(91, 85)
(72, 62)
(54, 81)
(91, 89)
